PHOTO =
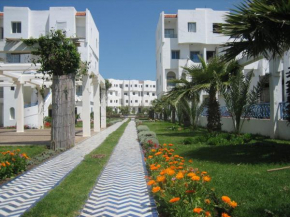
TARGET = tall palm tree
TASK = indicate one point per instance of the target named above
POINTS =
(260, 27)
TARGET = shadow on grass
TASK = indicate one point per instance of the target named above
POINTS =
(257, 153)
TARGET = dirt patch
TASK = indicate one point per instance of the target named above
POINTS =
(98, 156)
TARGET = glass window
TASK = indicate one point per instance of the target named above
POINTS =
(148, 93)
(13, 58)
(125, 93)
(194, 56)
(153, 94)
(191, 27)
(111, 101)
(126, 85)
(111, 93)
(169, 33)
(216, 28)
(133, 93)
(135, 85)
(210, 54)
(136, 100)
(175, 54)
(154, 85)
(16, 27)
(146, 101)
(146, 85)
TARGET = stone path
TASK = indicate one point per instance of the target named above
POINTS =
(121, 189)
(20, 194)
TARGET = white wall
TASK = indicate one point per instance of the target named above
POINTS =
(253, 126)
(8, 94)
(39, 21)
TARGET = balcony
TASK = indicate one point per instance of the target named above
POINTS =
(170, 35)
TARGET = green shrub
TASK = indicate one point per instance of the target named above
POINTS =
(138, 122)
(149, 143)
(146, 133)
(47, 119)
(188, 141)
(142, 128)
(217, 141)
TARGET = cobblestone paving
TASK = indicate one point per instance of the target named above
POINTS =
(121, 189)
(21, 193)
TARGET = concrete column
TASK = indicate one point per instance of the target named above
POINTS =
(103, 109)
(286, 65)
(40, 109)
(97, 116)
(19, 111)
(86, 111)
(275, 94)
(204, 54)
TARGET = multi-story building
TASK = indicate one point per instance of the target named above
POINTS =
(181, 37)
(133, 93)
(19, 103)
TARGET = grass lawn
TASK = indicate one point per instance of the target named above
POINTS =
(68, 198)
(31, 151)
(240, 171)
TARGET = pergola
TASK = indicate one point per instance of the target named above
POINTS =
(25, 74)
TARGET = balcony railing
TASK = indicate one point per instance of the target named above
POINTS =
(170, 35)
(258, 111)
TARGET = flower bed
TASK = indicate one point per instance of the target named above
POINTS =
(11, 163)
(179, 188)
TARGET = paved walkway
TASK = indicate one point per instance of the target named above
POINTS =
(20, 194)
(121, 189)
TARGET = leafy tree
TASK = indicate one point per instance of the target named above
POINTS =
(59, 58)
(260, 27)
(239, 99)
(124, 110)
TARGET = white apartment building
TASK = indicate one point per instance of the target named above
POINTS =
(133, 93)
(19, 79)
(181, 37)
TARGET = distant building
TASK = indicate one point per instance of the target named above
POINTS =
(133, 93)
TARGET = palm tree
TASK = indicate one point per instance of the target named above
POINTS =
(203, 77)
(260, 27)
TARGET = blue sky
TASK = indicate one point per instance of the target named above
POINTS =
(127, 29)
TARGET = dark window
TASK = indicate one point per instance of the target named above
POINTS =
(136, 100)
(126, 94)
(133, 93)
(146, 85)
(175, 54)
(136, 85)
(191, 27)
(210, 54)
(216, 28)
(153, 94)
(13, 58)
(127, 101)
(16, 27)
(169, 33)
(154, 86)
(12, 88)
(111, 101)
(121, 86)
(126, 85)
(148, 93)
(194, 56)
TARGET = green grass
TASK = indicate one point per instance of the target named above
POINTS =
(68, 198)
(31, 151)
(239, 171)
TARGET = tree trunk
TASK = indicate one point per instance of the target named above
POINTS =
(63, 112)
(173, 115)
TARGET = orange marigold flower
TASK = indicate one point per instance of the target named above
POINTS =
(204, 172)
(18, 150)
(191, 174)
(179, 175)
(158, 153)
(170, 172)
(180, 167)
(150, 156)
(12, 154)
(7, 163)
(190, 191)
(164, 144)
(173, 167)
(158, 166)
(162, 172)
(207, 213)
(176, 155)
(155, 189)
(181, 164)
(151, 182)
(225, 215)
(13, 159)
(170, 163)
(160, 179)
(233, 204)
(207, 201)
(153, 150)
(154, 168)
(226, 199)
(3, 164)
(206, 178)
(170, 144)
(195, 178)
(173, 200)
(197, 210)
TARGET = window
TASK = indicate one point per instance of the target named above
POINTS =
(194, 56)
(146, 85)
(135, 85)
(148, 93)
(12, 88)
(121, 86)
(216, 28)
(12, 113)
(153, 94)
(126, 85)
(175, 54)
(170, 76)
(111, 93)
(126, 94)
(131, 101)
(136, 101)
(13, 58)
(116, 101)
(154, 85)
(146, 101)
(111, 101)
(210, 54)
(16, 27)
(127, 101)
(133, 93)
(1, 33)
(169, 33)
(61, 26)
(191, 27)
